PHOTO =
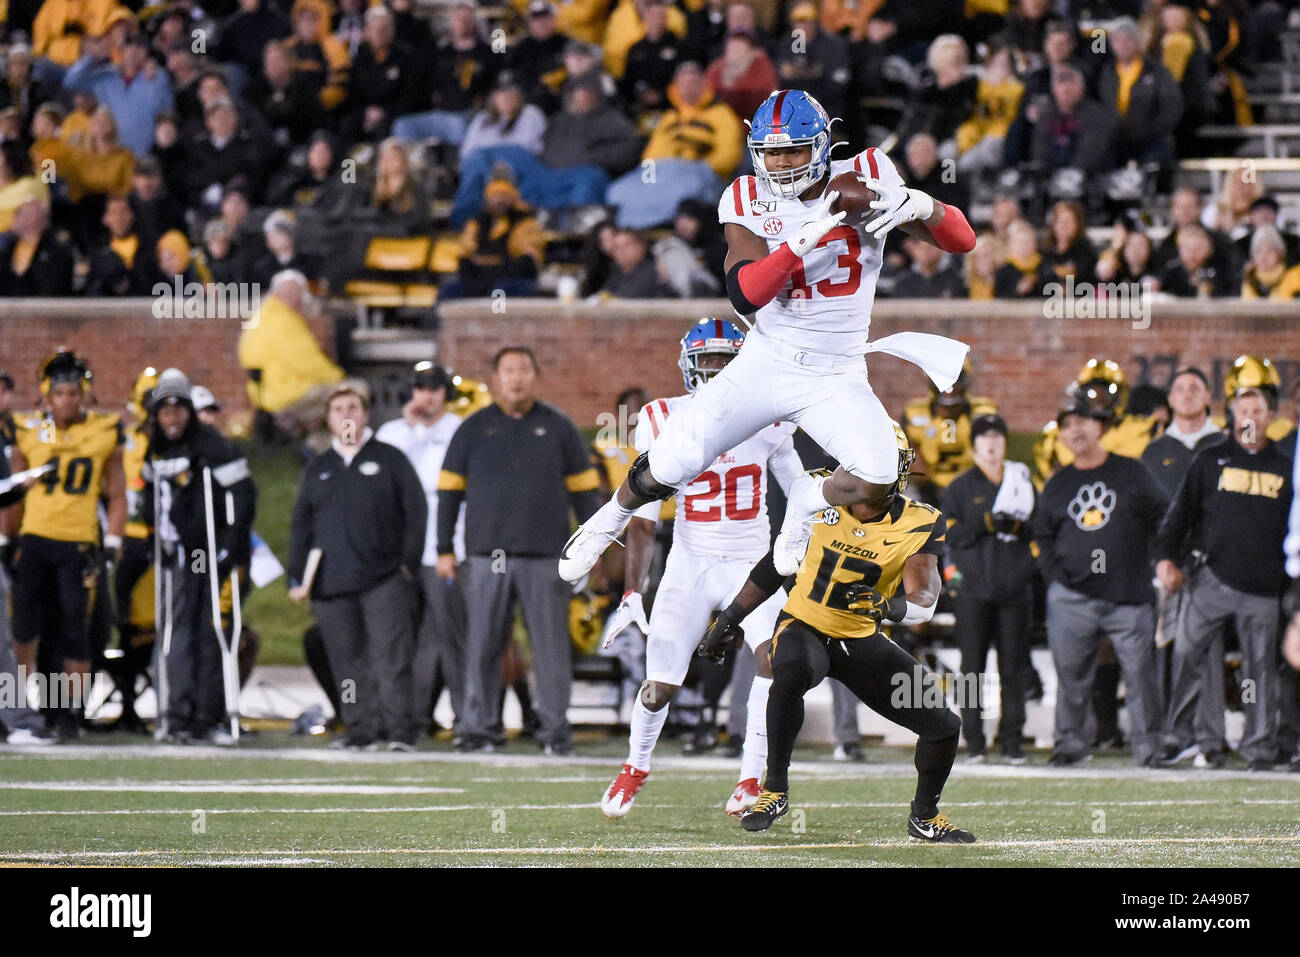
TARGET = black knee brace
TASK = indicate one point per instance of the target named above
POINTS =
(643, 484)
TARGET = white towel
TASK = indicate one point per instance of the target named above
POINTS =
(1015, 495)
(939, 356)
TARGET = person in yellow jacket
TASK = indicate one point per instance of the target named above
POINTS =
(1267, 275)
(1101, 385)
(60, 25)
(698, 127)
(319, 55)
(100, 165)
(997, 101)
(289, 376)
(625, 30)
(582, 20)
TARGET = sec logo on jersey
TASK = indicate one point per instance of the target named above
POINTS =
(772, 225)
(831, 516)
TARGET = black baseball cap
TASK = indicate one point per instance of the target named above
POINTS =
(988, 422)
(430, 375)
(1084, 409)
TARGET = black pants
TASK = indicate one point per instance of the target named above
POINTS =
(47, 566)
(1003, 625)
(884, 677)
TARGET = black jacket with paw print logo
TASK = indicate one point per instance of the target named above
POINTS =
(1095, 529)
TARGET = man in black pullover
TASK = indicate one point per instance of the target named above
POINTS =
(1096, 520)
(362, 504)
(1233, 504)
(519, 465)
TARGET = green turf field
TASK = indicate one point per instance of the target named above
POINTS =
(279, 800)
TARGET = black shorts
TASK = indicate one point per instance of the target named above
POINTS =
(50, 594)
(882, 675)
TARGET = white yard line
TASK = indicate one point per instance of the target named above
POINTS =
(826, 769)
(187, 788)
(1081, 842)
(593, 805)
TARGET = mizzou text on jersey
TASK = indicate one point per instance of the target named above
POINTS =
(844, 550)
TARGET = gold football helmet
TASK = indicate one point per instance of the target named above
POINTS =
(1252, 372)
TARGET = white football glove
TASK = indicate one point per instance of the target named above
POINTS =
(898, 205)
(629, 612)
(823, 221)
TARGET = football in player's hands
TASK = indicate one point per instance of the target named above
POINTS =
(855, 198)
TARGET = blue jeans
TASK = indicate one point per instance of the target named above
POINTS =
(643, 204)
(538, 184)
(436, 124)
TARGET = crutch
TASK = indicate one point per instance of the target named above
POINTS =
(229, 648)
(162, 603)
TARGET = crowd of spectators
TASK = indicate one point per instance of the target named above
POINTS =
(340, 124)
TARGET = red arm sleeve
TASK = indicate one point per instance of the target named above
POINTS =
(954, 234)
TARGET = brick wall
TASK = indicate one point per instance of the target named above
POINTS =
(1022, 360)
(121, 337)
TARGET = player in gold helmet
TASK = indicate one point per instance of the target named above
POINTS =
(1259, 374)
(79, 453)
(1102, 386)
(938, 428)
(133, 576)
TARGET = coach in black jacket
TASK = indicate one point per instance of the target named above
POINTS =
(362, 504)
(1234, 504)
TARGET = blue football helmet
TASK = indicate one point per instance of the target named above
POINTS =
(790, 118)
(707, 337)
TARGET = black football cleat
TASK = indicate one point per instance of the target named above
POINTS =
(938, 830)
(769, 806)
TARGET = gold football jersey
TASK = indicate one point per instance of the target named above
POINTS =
(64, 502)
(133, 455)
(843, 550)
(943, 444)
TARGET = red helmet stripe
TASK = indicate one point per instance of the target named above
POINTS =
(776, 111)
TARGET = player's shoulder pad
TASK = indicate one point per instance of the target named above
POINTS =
(875, 162)
(736, 204)
(915, 509)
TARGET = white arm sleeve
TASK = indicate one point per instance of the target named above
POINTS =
(784, 460)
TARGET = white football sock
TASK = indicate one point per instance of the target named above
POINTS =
(810, 497)
(613, 516)
(753, 758)
(641, 741)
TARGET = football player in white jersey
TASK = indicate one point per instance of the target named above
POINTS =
(810, 280)
(721, 530)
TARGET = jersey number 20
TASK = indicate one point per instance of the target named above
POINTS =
(704, 507)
